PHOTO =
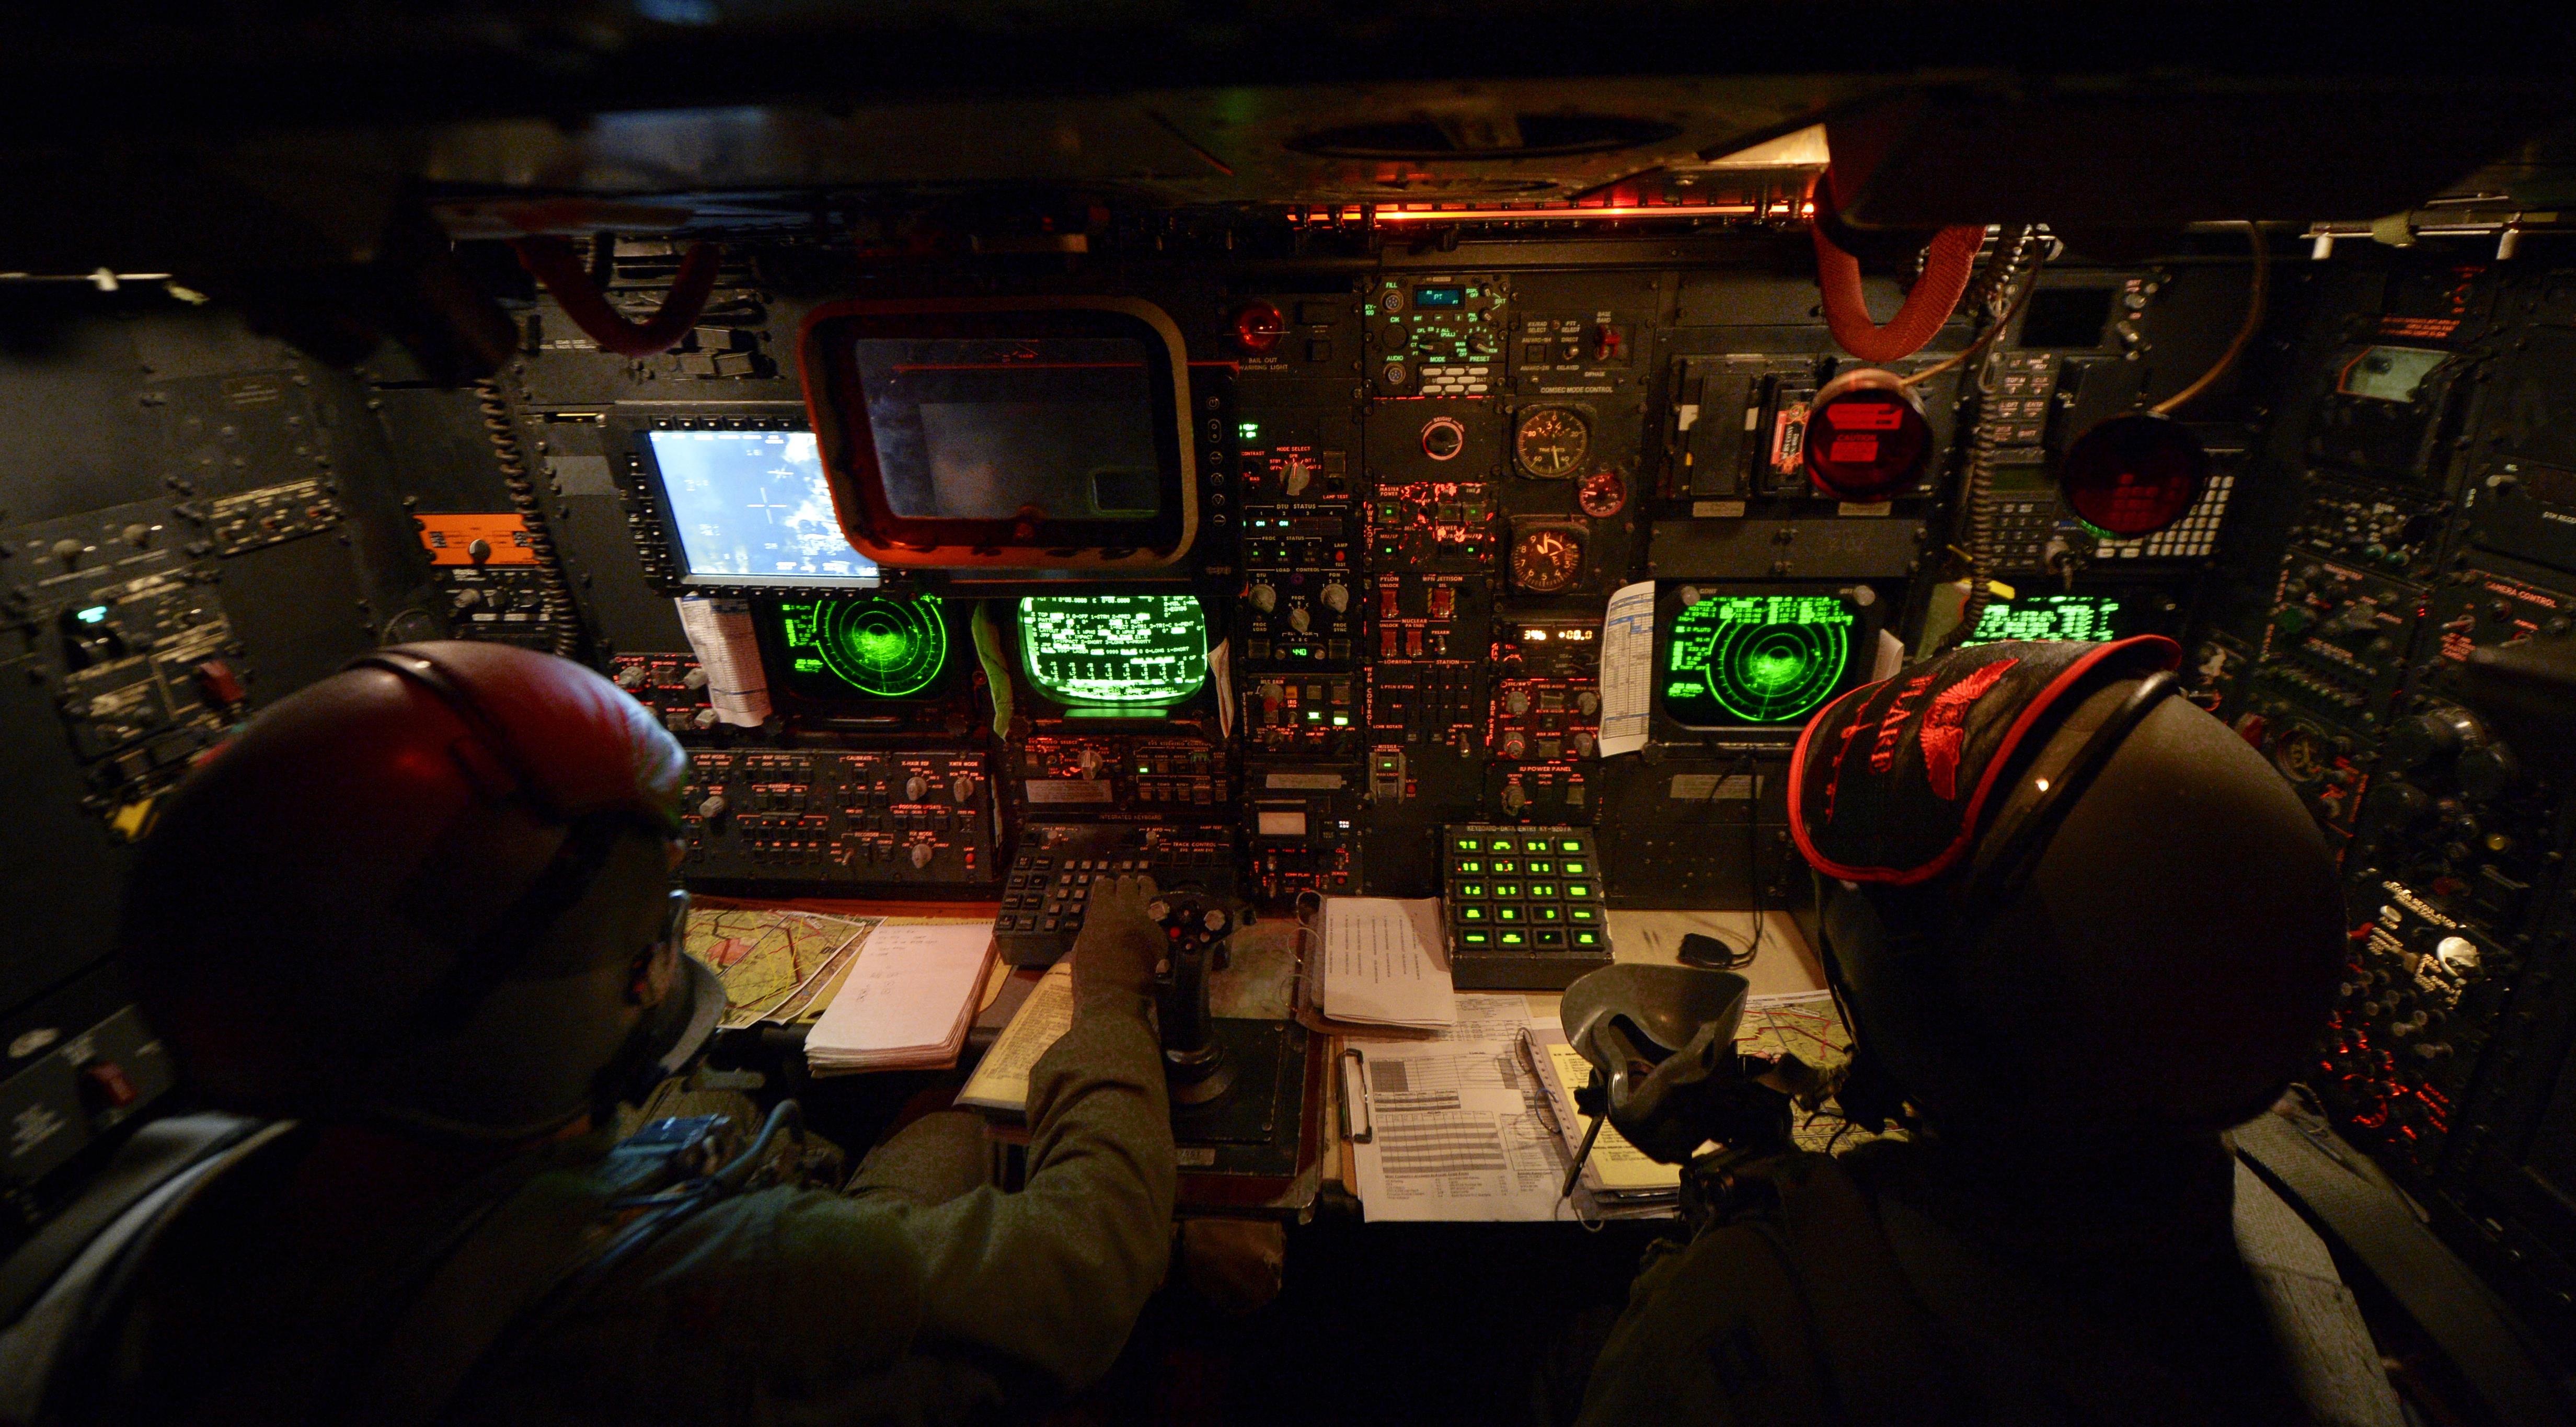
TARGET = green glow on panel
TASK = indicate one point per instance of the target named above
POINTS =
(885, 646)
(2083, 617)
(1123, 651)
(1756, 659)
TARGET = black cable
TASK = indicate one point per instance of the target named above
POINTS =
(1737, 958)
(1753, 851)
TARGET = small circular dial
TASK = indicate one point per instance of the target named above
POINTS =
(1552, 442)
(1545, 561)
(1603, 494)
(1443, 438)
(2302, 757)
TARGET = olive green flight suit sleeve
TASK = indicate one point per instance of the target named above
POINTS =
(795, 1306)
(1052, 1277)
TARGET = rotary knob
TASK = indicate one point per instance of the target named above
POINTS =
(915, 788)
(1214, 920)
(712, 808)
(2408, 805)
(1089, 762)
(694, 679)
(1517, 701)
(1294, 481)
(468, 599)
(962, 788)
(2442, 731)
(1514, 799)
(2489, 772)
(1336, 598)
(631, 677)
(706, 718)
(1583, 745)
(1515, 746)
(1263, 598)
(921, 854)
(1587, 703)
(1299, 620)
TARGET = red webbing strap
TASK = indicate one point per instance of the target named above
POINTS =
(1946, 269)
(557, 264)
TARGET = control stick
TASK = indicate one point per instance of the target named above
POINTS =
(1195, 928)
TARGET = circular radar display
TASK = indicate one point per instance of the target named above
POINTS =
(1763, 660)
(879, 644)
(1552, 442)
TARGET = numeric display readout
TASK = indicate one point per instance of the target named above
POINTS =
(2080, 617)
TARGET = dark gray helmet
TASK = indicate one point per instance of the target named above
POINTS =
(433, 889)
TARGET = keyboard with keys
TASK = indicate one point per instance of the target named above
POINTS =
(1051, 881)
(1523, 907)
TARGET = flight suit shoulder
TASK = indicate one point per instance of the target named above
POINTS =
(1715, 1332)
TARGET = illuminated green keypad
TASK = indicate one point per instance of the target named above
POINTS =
(1523, 907)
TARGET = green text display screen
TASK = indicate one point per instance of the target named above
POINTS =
(1122, 651)
(2084, 617)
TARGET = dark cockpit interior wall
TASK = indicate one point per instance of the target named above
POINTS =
(1462, 360)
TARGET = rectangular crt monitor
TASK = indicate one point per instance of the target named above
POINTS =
(752, 508)
(1114, 653)
(981, 428)
(1759, 660)
(2082, 617)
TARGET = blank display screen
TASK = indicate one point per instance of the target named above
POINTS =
(996, 428)
(2066, 317)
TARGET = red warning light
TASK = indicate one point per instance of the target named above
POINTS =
(1867, 438)
(1258, 326)
(2133, 475)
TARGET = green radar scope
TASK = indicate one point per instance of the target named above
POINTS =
(1114, 653)
(876, 645)
(1757, 660)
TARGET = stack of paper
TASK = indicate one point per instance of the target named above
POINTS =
(1453, 1126)
(906, 1002)
(1385, 964)
(1622, 1181)
(1001, 1079)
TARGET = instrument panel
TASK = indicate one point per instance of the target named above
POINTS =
(1418, 474)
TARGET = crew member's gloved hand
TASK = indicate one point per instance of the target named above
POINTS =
(1114, 957)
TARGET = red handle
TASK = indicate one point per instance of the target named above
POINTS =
(1936, 294)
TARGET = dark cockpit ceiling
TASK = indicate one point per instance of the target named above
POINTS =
(305, 125)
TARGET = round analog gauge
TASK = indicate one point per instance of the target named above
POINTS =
(2302, 757)
(1603, 494)
(1551, 442)
(1545, 561)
